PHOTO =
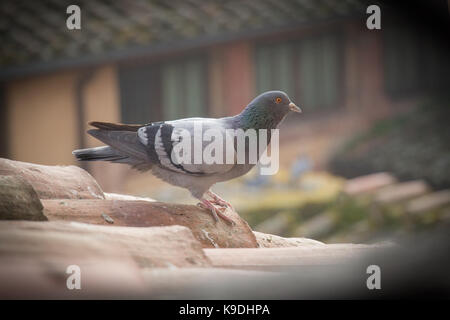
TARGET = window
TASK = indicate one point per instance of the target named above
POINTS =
(140, 97)
(413, 61)
(184, 89)
(307, 68)
(163, 91)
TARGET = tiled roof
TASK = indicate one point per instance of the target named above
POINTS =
(35, 33)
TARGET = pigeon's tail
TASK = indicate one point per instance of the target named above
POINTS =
(97, 154)
(123, 147)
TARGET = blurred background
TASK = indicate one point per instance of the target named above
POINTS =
(374, 101)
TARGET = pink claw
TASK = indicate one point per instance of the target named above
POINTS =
(219, 200)
(206, 204)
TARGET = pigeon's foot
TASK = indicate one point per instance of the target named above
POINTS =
(218, 200)
(216, 213)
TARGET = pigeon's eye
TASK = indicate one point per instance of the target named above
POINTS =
(278, 100)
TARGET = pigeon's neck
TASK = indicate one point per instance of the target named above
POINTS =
(255, 118)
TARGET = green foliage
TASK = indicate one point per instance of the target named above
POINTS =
(348, 211)
(294, 215)
(353, 219)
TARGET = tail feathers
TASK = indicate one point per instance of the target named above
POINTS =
(123, 146)
(109, 154)
(115, 126)
(97, 154)
(124, 142)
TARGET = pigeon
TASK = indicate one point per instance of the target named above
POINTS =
(149, 147)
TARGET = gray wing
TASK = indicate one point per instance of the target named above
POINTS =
(179, 145)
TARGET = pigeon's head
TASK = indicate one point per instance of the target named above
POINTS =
(269, 108)
(275, 101)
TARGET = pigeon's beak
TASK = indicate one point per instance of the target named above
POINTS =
(294, 108)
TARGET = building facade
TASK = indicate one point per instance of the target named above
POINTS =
(343, 75)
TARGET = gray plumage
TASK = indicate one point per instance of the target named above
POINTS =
(149, 147)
